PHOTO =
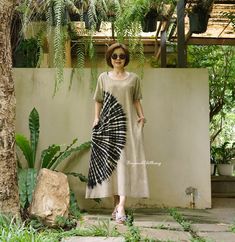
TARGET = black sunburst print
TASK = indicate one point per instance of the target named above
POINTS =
(108, 140)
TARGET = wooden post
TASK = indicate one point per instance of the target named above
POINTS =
(163, 48)
(182, 58)
(68, 60)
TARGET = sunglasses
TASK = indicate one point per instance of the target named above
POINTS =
(121, 56)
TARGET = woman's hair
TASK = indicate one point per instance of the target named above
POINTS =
(111, 49)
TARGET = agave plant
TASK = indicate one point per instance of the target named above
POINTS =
(50, 158)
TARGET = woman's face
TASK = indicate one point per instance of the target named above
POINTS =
(118, 58)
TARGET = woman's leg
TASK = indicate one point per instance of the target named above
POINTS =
(115, 200)
(115, 203)
(121, 206)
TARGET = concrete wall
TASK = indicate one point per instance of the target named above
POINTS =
(177, 132)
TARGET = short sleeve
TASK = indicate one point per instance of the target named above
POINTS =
(137, 90)
(98, 95)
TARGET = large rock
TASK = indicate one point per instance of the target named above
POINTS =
(51, 196)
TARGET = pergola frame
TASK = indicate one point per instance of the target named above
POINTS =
(175, 29)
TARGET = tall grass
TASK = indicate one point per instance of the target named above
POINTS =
(14, 230)
(233, 227)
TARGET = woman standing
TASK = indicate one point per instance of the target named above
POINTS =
(117, 165)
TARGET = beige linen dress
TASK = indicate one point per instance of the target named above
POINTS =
(117, 163)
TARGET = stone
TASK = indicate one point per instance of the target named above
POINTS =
(51, 196)
(218, 236)
(159, 225)
(88, 221)
(159, 234)
(221, 227)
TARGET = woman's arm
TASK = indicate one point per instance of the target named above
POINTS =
(139, 111)
(98, 106)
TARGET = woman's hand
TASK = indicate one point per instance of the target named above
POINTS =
(142, 121)
(96, 120)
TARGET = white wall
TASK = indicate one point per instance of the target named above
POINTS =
(175, 103)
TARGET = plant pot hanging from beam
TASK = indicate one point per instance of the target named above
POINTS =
(149, 23)
(198, 22)
(88, 22)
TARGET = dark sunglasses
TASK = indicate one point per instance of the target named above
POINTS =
(121, 56)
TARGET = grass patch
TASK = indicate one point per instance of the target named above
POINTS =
(233, 227)
(186, 224)
(12, 230)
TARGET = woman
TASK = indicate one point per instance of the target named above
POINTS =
(117, 164)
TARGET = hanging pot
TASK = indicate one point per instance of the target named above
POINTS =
(149, 23)
(88, 23)
(198, 22)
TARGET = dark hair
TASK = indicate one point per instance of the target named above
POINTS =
(111, 49)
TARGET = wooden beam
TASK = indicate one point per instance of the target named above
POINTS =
(215, 2)
(224, 1)
(210, 41)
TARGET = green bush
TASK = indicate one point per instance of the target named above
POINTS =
(50, 158)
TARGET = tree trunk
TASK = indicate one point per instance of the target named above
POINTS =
(9, 198)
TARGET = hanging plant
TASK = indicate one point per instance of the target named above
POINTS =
(137, 16)
(59, 29)
(155, 10)
(198, 20)
(149, 23)
(199, 16)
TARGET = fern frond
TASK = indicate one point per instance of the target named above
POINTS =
(92, 57)
(59, 58)
(81, 59)
(80, 63)
(71, 6)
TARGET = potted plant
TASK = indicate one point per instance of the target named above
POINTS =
(223, 157)
(154, 10)
(137, 16)
(144, 12)
(199, 16)
(212, 160)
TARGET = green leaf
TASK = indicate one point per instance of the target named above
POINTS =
(19, 165)
(81, 177)
(26, 183)
(48, 154)
(61, 156)
(23, 143)
(22, 177)
(31, 183)
(67, 152)
(34, 131)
